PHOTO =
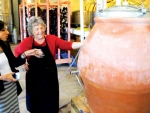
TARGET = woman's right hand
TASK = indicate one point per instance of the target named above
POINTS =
(8, 77)
(30, 52)
(34, 52)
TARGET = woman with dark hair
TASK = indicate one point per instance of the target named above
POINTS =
(9, 86)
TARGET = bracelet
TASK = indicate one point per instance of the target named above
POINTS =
(23, 56)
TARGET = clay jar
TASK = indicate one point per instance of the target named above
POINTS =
(114, 64)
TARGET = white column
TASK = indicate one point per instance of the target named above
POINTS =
(118, 2)
(81, 21)
(101, 5)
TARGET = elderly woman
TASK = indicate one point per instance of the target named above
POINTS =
(42, 88)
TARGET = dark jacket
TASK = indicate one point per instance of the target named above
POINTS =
(13, 62)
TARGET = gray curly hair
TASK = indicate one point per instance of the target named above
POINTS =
(33, 21)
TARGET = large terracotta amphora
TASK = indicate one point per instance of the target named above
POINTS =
(114, 65)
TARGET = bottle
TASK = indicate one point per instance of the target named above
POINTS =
(14, 37)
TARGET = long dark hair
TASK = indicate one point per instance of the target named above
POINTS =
(1, 25)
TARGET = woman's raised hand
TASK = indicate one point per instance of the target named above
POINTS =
(39, 53)
(34, 52)
(30, 52)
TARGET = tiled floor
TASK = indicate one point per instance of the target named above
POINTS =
(69, 88)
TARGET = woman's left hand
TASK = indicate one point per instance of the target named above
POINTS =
(26, 67)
